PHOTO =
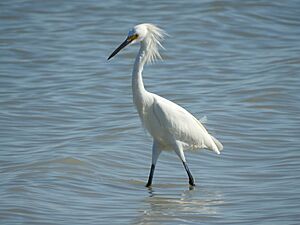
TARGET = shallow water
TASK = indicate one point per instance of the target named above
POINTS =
(72, 149)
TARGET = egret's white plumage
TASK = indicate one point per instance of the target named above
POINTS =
(170, 125)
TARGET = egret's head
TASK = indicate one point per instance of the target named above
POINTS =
(146, 33)
(138, 33)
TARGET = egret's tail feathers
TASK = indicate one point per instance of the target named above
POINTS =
(217, 143)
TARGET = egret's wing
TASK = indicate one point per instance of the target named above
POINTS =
(182, 125)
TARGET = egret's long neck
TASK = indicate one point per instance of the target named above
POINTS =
(138, 89)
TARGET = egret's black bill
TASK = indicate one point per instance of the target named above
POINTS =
(123, 45)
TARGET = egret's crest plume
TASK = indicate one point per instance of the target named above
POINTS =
(152, 42)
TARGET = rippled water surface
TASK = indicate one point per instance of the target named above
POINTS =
(72, 149)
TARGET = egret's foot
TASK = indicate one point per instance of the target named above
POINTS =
(191, 188)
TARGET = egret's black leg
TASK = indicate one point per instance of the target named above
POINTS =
(150, 176)
(156, 150)
(191, 179)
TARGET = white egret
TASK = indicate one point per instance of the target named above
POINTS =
(171, 126)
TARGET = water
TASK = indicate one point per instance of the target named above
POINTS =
(72, 149)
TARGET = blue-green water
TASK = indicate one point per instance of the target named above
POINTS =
(73, 151)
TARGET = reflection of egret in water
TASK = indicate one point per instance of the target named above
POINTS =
(189, 206)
